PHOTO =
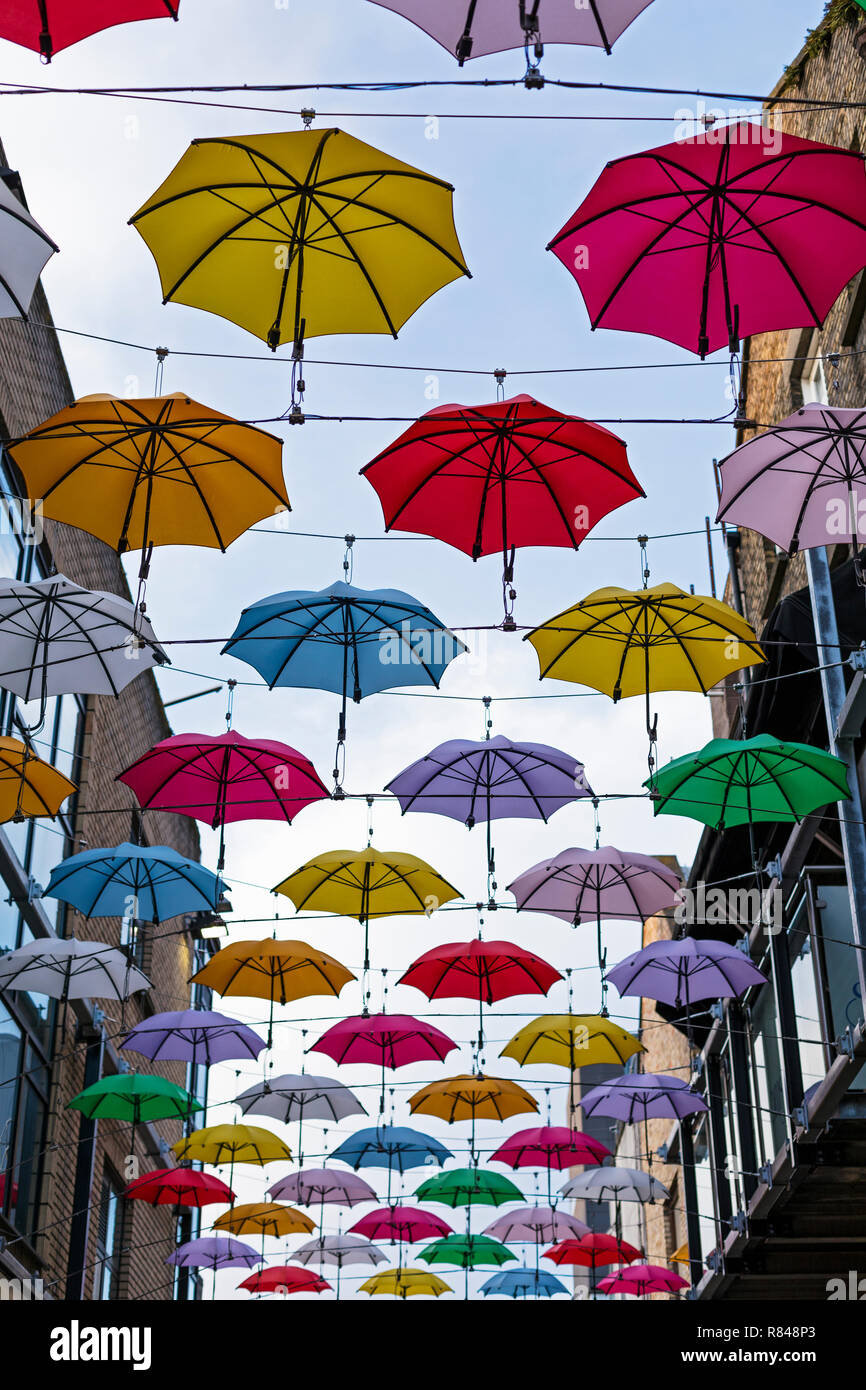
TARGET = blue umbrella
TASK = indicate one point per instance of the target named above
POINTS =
(391, 1147)
(524, 1283)
(149, 882)
(354, 642)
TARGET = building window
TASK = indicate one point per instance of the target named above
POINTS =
(109, 1229)
(813, 382)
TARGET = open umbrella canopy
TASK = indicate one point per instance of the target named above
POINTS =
(483, 970)
(285, 1279)
(162, 471)
(301, 234)
(400, 1225)
(302, 1097)
(340, 1250)
(148, 882)
(322, 1186)
(466, 1251)
(581, 885)
(536, 1225)
(223, 778)
(265, 1219)
(711, 239)
(389, 1146)
(179, 1187)
(642, 1096)
(210, 1252)
(28, 785)
(573, 1041)
(553, 1146)
(216, 1144)
(472, 1097)
(367, 883)
(136, 1097)
(473, 30)
(616, 1185)
(675, 972)
(26, 248)
(277, 970)
(737, 781)
(199, 1036)
(66, 968)
(592, 1251)
(384, 1040)
(524, 1283)
(406, 1283)
(47, 26)
(57, 638)
(640, 1280)
(467, 1187)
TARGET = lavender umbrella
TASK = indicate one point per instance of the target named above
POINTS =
(312, 1186)
(643, 1097)
(803, 481)
(535, 1225)
(673, 972)
(193, 1035)
(474, 28)
(339, 1250)
(210, 1252)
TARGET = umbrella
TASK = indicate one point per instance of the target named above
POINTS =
(474, 29)
(552, 1146)
(472, 1097)
(592, 1251)
(26, 250)
(135, 1097)
(65, 968)
(223, 778)
(28, 785)
(218, 1144)
(197, 1036)
(400, 1225)
(467, 1252)
(366, 884)
(712, 239)
(602, 883)
(406, 1283)
(318, 1186)
(801, 482)
(353, 642)
(149, 882)
(497, 477)
(265, 1219)
(289, 1098)
(641, 1097)
(209, 1252)
(47, 26)
(60, 639)
(285, 1279)
(639, 1280)
(142, 473)
(573, 1041)
(179, 1187)
(616, 1185)
(675, 972)
(466, 1187)
(278, 971)
(339, 1250)
(391, 1147)
(536, 1226)
(523, 1283)
(384, 1040)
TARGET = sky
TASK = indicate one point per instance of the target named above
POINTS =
(88, 162)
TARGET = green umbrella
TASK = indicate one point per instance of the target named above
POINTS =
(740, 781)
(463, 1187)
(135, 1098)
(468, 1252)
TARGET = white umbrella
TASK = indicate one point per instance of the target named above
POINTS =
(70, 969)
(57, 638)
(616, 1185)
(339, 1250)
(24, 249)
(300, 1097)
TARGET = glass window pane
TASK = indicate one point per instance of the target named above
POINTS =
(10, 1063)
(28, 1158)
(772, 1126)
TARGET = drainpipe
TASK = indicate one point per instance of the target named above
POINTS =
(82, 1199)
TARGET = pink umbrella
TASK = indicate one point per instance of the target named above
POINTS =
(384, 1040)
(714, 238)
(536, 1225)
(400, 1225)
(318, 1186)
(551, 1146)
(640, 1280)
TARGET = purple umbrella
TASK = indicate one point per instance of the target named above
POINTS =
(312, 1186)
(642, 1096)
(474, 28)
(675, 972)
(195, 1036)
(210, 1252)
(801, 483)
(536, 1225)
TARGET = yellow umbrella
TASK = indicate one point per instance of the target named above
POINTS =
(573, 1041)
(265, 1219)
(29, 786)
(406, 1283)
(366, 884)
(233, 1144)
(472, 1097)
(161, 471)
(301, 234)
(278, 971)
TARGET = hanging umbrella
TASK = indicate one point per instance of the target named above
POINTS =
(524, 1283)
(642, 1096)
(383, 1040)
(339, 1251)
(179, 1187)
(573, 1041)
(467, 1187)
(483, 970)
(47, 26)
(209, 1252)
(740, 781)
(800, 483)
(400, 1225)
(472, 1097)
(143, 473)
(367, 884)
(296, 235)
(640, 1280)
(285, 1279)
(26, 249)
(136, 1097)
(616, 1185)
(466, 1251)
(712, 239)
(391, 1147)
(149, 882)
(57, 639)
(265, 1219)
(493, 478)
(287, 1098)
(552, 1146)
(592, 1251)
(217, 1144)
(406, 1283)
(353, 642)
(675, 972)
(475, 28)
(197, 1036)
(65, 968)
(28, 785)
(322, 1186)
(536, 1226)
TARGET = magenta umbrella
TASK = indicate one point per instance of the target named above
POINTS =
(551, 1146)
(475, 28)
(383, 1040)
(714, 237)
(640, 1280)
(400, 1225)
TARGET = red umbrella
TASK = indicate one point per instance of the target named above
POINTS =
(551, 1146)
(592, 1251)
(285, 1279)
(713, 238)
(483, 970)
(385, 1040)
(642, 1279)
(179, 1187)
(49, 25)
(492, 478)
(400, 1225)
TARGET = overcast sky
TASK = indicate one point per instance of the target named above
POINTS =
(89, 162)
